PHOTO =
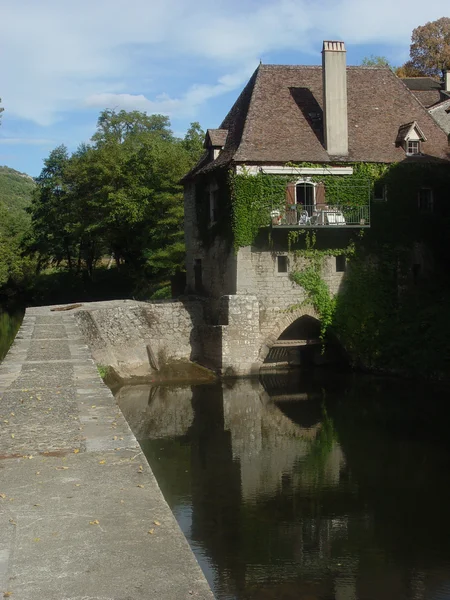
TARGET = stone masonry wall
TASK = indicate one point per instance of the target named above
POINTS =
(257, 275)
(118, 333)
(240, 334)
(218, 261)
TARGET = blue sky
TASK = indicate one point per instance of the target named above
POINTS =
(63, 61)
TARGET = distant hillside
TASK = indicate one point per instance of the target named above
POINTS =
(15, 196)
(15, 188)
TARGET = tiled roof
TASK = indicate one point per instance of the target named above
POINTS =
(423, 84)
(278, 118)
(426, 89)
(217, 137)
(404, 130)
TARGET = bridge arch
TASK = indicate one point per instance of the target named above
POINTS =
(283, 322)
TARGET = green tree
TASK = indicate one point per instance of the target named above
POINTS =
(113, 126)
(193, 141)
(430, 47)
(375, 61)
(52, 213)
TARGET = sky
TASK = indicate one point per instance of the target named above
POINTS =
(64, 61)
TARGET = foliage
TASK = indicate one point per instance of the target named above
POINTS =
(9, 325)
(317, 293)
(16, 190)
(254, 196)
(161, 293)
(375, 61)
(193, 141)
(103, 370)
(430, 47)
(408, 70)
(120, 196)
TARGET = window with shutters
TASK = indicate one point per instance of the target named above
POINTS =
(302, 197)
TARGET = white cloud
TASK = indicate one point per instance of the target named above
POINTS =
(64, 56)
(184, 106)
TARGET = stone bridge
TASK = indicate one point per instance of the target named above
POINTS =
(168, 338)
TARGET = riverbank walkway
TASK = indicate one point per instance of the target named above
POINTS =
(81, 514)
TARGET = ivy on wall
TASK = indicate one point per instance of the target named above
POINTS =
(253, 197)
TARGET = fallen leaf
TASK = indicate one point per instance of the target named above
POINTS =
(12, 522)
(140, 485)
(77, 484)
(156, 523)
(93, 406)
(13, 436)
(96, 522)
(38, 472)
(37, 539)
(101, 462)
(2, 495)
(7, 594)
(12, 414)
(151, 531)
(76, 450)
(140, 470)
(61, 468)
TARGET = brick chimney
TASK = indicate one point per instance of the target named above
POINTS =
(334, 77)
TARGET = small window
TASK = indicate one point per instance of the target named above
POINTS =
(426, 200)
(213, 205)
(198, 283)
(341, 263)
(379, 192)
(412, 147)
(282, 264)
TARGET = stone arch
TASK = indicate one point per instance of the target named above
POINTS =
(281, 324)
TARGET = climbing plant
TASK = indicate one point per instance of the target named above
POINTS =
(253, 197)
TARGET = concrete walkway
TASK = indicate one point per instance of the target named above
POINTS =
(81, 514)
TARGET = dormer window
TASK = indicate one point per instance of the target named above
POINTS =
(410, 137)
(215, 141)
(412, 147)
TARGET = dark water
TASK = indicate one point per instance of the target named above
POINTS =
(10, 321)
(309, 487)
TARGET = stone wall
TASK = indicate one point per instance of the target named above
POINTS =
(119, 333)
(240, 334)
(257, 276)
(218, 261)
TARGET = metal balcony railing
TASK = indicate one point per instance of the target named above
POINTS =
(315, 215)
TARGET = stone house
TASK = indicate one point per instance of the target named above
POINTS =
(304, 151)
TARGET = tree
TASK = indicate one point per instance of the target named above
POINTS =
(430, 47)
(409, 70)
(52, 211)
(115, 126)
(193, 141)
(375, 61)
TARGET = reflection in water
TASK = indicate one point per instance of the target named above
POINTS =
(292, 488)
(9, 325)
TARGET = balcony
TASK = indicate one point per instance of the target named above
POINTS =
(320, 216)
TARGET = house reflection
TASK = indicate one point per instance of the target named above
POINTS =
(280, 497)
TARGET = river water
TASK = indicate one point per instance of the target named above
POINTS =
(309, 486)
(10, 321)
